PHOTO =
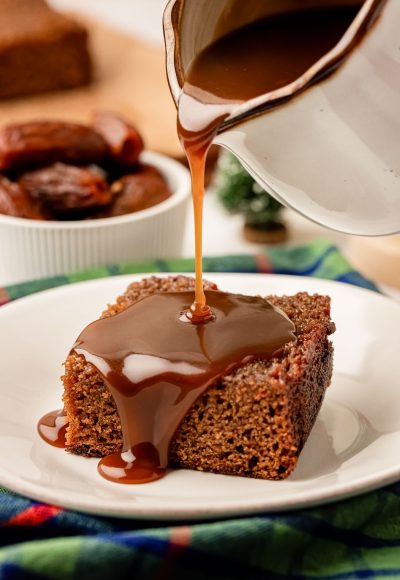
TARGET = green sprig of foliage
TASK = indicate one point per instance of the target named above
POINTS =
(239, 193)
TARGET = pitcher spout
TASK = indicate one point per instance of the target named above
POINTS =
(190, 25)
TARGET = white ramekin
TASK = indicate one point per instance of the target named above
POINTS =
(31, 249)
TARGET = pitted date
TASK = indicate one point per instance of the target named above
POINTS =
(38, 143)
(64, 171)
(66, 188)
(15, 202)
(138, 191)
(124, 141)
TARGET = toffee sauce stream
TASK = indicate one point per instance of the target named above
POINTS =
(158, 356)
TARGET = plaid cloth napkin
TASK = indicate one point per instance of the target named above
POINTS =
(357, 538)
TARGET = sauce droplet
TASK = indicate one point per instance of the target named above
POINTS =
(140, 464)
(52, 428)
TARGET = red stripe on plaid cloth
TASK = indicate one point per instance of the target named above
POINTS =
(4, 297)
(34, 516)
(179, 539)
(263, 264)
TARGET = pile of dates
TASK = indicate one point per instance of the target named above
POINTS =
(51, 170)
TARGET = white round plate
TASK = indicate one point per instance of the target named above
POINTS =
(354, 446)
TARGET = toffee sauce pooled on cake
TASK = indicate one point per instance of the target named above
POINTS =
(156, 364)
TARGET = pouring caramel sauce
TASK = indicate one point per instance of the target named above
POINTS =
(250, 61)
(158, 356)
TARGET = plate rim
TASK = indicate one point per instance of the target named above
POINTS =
(180, 513)
(310, 498)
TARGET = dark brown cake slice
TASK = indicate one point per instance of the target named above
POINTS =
(40, 49)
(253, 422)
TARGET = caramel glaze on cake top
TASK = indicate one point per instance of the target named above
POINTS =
(252, 421)
(157, 360)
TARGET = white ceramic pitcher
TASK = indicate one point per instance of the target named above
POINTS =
(332, 152)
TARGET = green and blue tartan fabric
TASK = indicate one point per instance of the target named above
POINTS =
(318, 259)
(356, 538)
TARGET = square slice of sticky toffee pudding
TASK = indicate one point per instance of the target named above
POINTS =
(252, 422)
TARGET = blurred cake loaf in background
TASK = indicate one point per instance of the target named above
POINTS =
(40, 49)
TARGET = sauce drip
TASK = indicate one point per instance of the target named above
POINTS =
(52, 428)
(156, 363)
(158, 356)
(253, 60)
